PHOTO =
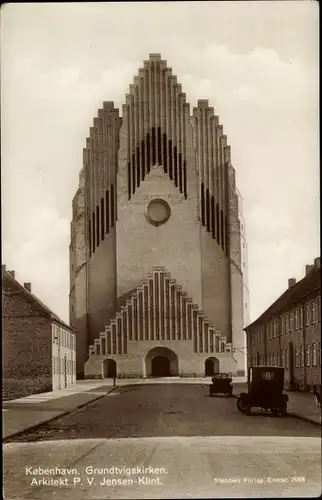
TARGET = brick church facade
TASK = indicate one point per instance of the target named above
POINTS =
(156, 271)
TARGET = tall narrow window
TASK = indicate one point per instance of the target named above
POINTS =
(153, 147)
(128, 180)
(202, 204)
(213, 217)
(180, 171)
(102, 219)
(314, 354)
(296, 319)
(313, 312)
(175, 160)
(93, 228)
(301, 317)
(138, 166)
(165, 152)
(107, 211)
(222, 231)
(185, 189)
(208, 210)
(218, 224)
(112, 205)
(97, 226)
(308, 352)
(90, 237)
(159, 145)
(307, 314)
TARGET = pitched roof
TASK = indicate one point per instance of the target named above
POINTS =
(9, 281)
(293, 295)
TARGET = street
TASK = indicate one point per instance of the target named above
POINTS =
(164, 441)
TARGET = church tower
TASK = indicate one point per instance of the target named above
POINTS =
(155, 255)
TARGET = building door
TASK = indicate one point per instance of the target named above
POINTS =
(160, 367)
(209, 367)
(110, 368)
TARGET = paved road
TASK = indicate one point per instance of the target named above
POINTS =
(193, 446)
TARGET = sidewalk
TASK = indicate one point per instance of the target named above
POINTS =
(301, 405)
(26, 413)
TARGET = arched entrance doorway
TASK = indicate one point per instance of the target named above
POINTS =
(160, 367)
(109, 368)
(161, 362)
(211, 366)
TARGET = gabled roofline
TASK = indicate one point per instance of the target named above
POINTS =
(282, 302)
(48, 312)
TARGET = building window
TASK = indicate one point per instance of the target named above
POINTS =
(296, 319)
(291, 321)
(297, 364)
(287, 324)
(307, 314)
(313, 354)
(282, 357)
(308, 353)
(286, 358)
(302, 355)
(313, 312)
(301, 317)
(319, 309)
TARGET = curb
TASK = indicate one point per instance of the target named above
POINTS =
(305, 419)
(64, 413)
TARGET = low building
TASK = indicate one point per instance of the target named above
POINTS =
(39, 350)
(288, 333)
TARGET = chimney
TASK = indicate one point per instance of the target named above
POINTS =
(317, 263)
(3, 268)
(27, 286)
(291, 282)
(12, 273)
(308, 269)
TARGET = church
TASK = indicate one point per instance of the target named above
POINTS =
(157, 272)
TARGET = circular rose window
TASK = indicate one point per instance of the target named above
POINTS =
(158, 212)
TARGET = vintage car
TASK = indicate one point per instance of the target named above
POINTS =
(265, 391)
(221, 384)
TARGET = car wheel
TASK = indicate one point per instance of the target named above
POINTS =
(242, 405)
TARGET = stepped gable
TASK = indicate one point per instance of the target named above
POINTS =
(159, 310)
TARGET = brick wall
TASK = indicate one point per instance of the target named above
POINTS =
(306, 370)
(134, 363)
(174, 245)
(26, 347)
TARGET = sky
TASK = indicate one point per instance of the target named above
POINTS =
(256, 62)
